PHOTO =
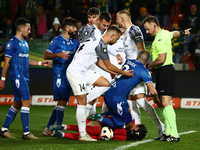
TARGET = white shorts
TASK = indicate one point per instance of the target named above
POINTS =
(104, 73)
(79, 84)
(139, 89)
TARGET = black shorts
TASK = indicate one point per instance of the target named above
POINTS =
(165, 80)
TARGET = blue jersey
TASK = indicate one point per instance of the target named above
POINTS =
(18, 51)
(122, 85)
(58, 45)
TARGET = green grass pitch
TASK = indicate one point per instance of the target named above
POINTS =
(187, 120)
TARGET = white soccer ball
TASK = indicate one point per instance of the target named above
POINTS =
(106, 133)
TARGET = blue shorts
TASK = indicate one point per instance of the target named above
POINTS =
(119, 111)
(20, 89)
(61, 89)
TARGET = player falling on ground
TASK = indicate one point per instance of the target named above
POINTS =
(80, 75)
(61, 49)
(93, 128)
(116, 97)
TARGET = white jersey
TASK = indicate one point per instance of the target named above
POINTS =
(86, 55)
(119, 48)
(132, 37)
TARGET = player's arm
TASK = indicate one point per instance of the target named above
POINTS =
(153, 92)
(177, 34)
(137, 37)
(39, 63)
(49, 55)
(102, 66)
(113, 68)
(4, 72)
(159, 61)
(141, 46)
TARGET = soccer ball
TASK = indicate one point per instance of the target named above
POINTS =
(106, 133)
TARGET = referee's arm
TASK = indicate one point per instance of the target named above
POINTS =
(177, 34)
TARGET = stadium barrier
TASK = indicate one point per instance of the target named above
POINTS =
(47, 100)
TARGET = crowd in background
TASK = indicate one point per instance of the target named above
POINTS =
(46, 18)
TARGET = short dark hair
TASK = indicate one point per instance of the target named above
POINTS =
(105, 15)
(21, 21)
(69, 21)
(151, 19)
(114, 28)
(93, 11)
(137, 134)
(143, 56)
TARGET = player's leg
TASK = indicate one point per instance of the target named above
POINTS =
(135, 111)
(25, 109)
(165, 86)
(98, 90)
(62, 94)
(10, 116)
(170, 115)
(149, 109)
(104, 107)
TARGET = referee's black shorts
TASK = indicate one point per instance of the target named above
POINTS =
(165, 80)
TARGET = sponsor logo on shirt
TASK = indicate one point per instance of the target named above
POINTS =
(23, 55)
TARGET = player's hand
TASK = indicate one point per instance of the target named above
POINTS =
(2, 84)
(46, 63)
(128, 73)
(64, 55)
(187, 32)
(119, 59)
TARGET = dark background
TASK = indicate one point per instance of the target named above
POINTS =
(41, 83)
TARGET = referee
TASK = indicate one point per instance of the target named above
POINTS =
(165, 73)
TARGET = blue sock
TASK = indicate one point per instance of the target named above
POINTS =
(110, 122)
(60, 114)
(25, 118)
(10, 117)
(52, 119)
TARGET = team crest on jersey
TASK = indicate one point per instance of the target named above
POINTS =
(9, 46)
(159, 40)
(51, 42)
(104, 50)
(86, 33)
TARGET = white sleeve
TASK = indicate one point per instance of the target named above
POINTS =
(112, 50)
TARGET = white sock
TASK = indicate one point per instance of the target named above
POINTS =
(93, 110)
(95, 93)
(135, 111)
(81, 119)
(88, 109)
(149, 110)
(104, 108)
(4, 129)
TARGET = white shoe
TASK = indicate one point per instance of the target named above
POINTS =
(47, 132)
(86, 138)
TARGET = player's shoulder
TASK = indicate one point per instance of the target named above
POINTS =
(135, 32)
(12, 42)
(134, 28)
